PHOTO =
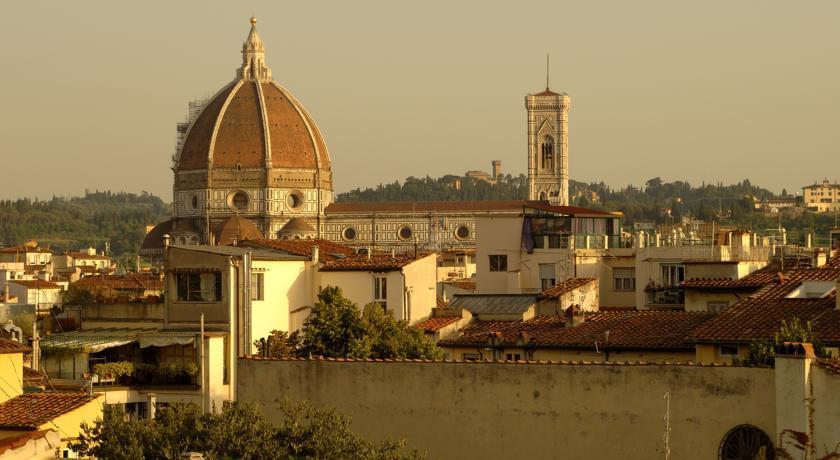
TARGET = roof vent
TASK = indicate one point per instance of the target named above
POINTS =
(813, 290)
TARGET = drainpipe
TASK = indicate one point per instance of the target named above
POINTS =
(152, 399)
(36, 346)
(201, 352)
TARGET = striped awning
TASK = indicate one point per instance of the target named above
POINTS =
(96, 340)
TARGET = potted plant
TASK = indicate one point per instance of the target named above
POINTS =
(110, 372)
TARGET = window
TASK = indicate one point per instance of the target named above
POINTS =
(239, 201)
(195, 202)
(498, 263)
(471, 357)
(349, 234)
(513, 357)
(199, 287)
(547, 276)
(462, 232)
(294, 200)
(380, 291)
(257, 286)
(729, 350)
(558, 241)
(717, 306)
(673, 275)
(539, 242)
(548, 154)
(624, 279)
(405, 232)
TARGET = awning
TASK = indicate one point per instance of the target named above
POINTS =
(96, 340)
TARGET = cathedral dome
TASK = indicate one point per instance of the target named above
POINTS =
(253, 122)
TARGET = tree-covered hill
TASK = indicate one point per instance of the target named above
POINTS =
(91, 220)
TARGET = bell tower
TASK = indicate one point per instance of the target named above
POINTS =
(548, 146)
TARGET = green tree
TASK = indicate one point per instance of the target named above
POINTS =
(336, 328)
(238, 431)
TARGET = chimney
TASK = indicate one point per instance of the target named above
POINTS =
(316, 256)
(36, 346)
(574, 316)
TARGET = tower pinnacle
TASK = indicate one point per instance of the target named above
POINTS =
(253, 57)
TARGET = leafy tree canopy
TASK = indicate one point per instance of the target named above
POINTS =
(337, 328)
(238, 431)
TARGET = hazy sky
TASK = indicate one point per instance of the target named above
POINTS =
(716, 91)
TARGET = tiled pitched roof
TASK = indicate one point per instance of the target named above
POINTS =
(327, 250)
(638, 330)
(86, 256)
(11, 346)
(14, 442)
(831, 365)
(465, 284)
(759, 316)
(562, 288)
(33, 377)
(36, 284)
(427, 206)
(374, 263)
(31, 410)
(441, 303)
(754, 280)
(25, 248)
(137, 282)
(435, 324)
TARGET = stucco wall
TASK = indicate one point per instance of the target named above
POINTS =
(488, 410)
(285, 289)
(11, 375)
(357, 286)
(826, 425)
(420, 284)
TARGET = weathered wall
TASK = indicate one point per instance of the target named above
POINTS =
(825, 384)
(489, 410)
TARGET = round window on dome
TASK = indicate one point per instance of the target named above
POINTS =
(349, 233)
(405, 232)
(239, 201)
(294, 200)
(462, 232)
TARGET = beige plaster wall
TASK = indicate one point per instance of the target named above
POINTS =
(285, 289)
(826, 416)
(489, 410)
(11, 375)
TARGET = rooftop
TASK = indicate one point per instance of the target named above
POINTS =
(374, 263)
(631, 330)
(436, 324)
(467, 284)
(327, 250)
(31, 410)
(564, 287)
(11, 346)
(759, 316)
(489, 304)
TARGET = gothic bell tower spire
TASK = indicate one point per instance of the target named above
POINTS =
(548, 145)
(253, 57)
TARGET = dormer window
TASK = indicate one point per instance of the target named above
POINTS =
(813, 290)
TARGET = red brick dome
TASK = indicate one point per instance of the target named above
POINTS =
(253, 124)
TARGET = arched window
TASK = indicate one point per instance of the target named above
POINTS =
(748, 442)
(548, 153)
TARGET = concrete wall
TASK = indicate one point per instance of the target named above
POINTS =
(489, 410)
(128, 314)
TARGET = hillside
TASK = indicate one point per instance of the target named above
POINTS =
(72, 223)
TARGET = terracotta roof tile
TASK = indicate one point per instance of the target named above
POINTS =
(427, 206)
(435, 324)
(24, 248)
(33, 377)
(465, 284)
(20, 440)
(31, 410)
(327, 250)
(636, 330)
(441, 303)
(36, 284)
(562, 288)
(759, 316)
(374, 263)
(237, 228)
(11, 346)
(754, 280)
(130, 282)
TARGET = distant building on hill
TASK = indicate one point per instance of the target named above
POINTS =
(824, 197)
